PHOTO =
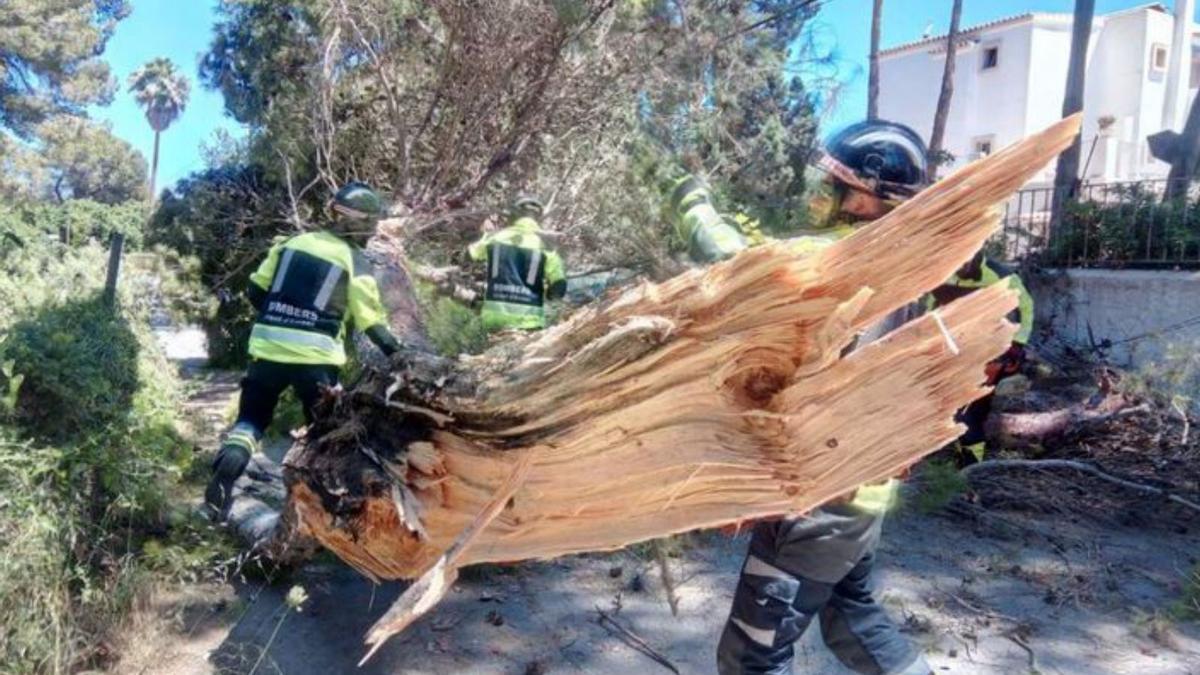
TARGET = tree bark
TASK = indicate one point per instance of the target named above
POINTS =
(1066, 176)
(150, 198)
(712, 398)
(937, 136)
(115, 247)
(1011, 429)
(1187, 155)
(873, 76)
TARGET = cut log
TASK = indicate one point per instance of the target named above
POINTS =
(1013, 429)
(713, 398)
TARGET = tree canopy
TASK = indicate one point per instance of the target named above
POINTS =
(161, 91)
(50, 59)
(452, 106)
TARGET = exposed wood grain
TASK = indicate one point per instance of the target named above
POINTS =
(712, 398)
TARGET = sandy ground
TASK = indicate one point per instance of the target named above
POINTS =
(1007, 593)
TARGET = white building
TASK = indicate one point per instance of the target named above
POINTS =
(1010, 76)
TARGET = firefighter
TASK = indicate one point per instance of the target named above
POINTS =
(521, 272)
(308, 292)
(820, 566)
(709, 237)
(981, 272)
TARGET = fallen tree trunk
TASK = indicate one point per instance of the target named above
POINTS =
(712, 398)
(1012, 429)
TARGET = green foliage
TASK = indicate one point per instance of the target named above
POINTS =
(89, 454)
(1187, 608)
(51, 55)
(75, 158)
(453, 328)
(598, 108)
(261, 53)
(1170, 381)
(12, 386)
(81, 220)
(940, 482)
(1125, 224)
(79, 364)
(84, 160)
(738, 110)
(226, 218)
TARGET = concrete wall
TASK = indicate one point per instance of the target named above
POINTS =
(1119, 305)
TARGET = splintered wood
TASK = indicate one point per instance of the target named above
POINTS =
(715, 397)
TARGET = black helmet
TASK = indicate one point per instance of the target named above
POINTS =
(890, 155)
(526, 204)
(357, 201)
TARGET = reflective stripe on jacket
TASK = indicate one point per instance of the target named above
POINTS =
(708, 236)
(991, 273)
(521, 272)
(315, 285)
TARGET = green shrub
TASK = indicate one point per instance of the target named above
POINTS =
(939, 482)
(453, 328)
(1125, 224)
(1187, 608)
(81, 221)
(79, 363)
(90, 461)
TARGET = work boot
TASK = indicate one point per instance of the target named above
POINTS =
(231, 461)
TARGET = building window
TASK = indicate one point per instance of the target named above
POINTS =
(982, 146)
(1158, 58)
(991, 57)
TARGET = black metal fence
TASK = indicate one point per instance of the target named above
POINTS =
(1127, 224)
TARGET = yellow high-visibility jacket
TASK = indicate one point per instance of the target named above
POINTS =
(708, 236)
(522, 274)
(309, 290)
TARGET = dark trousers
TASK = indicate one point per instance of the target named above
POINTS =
(266, 381)
(975, 417)
(818, 567)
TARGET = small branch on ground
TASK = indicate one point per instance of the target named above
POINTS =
(1181, 408)
(977, 610)
(668, 579)
(1083, 467)
(633, 640)
(1015, 636)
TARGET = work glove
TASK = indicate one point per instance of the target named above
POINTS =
(1009, 363)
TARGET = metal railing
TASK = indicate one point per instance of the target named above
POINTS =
(1125, 224)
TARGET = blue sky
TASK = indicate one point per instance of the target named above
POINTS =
(181, 29)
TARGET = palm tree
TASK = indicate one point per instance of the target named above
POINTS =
(1066, 176)
(873, 76)
(938, 136)
(163, 93)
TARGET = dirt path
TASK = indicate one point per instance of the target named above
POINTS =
(1012, 593)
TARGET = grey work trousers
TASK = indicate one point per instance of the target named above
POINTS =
(804, 568)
